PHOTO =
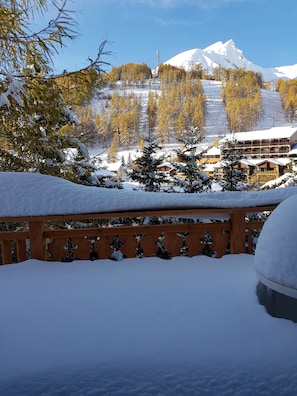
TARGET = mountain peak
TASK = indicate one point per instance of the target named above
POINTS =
(227, 55)
(220, 47)
(230, 43)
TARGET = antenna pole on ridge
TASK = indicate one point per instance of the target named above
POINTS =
(158, 57)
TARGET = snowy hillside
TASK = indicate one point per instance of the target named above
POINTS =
(216, 120)
(216, 126)
(228, 56)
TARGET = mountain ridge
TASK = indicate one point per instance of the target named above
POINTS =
(227, 55)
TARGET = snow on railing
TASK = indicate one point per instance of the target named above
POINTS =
(48, 218)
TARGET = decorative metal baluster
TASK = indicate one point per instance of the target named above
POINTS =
(116, 245)
(139, 253)
(184, 250)
(162, 252)
(207, 240)
(69, 247)
(47, 242)
(228, 248)
(93, 252)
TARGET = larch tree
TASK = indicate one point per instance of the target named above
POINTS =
(152, 111)
(242, 98)
(288, 93)
(112, 155)
(36, 118)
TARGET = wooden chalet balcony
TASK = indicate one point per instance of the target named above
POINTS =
(41, 239)
(48, 218)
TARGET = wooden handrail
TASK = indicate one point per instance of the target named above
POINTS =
(181, 212)
(230, 230)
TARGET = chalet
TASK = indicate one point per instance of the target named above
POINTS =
(267, 153)
(212, 155)
(259, 171)
(210, 158)
(248, 165)
(269, 169)
(167, 168)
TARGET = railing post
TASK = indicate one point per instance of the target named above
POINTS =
(21, 250)
(6, 251)
(237, 233)
(37, 242)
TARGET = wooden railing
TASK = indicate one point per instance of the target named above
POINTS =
(41, 239)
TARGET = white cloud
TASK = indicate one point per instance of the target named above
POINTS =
(174, 22)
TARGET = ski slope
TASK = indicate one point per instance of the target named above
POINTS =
(216, 126)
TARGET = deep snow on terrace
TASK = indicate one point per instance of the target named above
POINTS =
(186, 326)
(33, 194)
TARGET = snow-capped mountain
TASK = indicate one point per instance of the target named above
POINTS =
(228, 56)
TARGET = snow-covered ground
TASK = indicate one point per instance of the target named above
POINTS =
(215, 115)
(186, 326)
(216, 120)
(272, 114)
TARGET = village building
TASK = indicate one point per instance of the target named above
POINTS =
(276, 142)
(259, 171)
(267, 154)
(210, 158)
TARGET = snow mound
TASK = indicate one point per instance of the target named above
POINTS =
(275, 257)
(33, 194)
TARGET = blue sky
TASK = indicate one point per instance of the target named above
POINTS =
(135, 29)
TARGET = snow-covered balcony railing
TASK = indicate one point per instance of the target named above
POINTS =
(213, 222)
(232, 235)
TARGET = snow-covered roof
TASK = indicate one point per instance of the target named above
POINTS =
(33, 194)
(103, 173)
(208, 167)
(166, 165)
(277, 161)
(248, 162)
(272, 133)
(213, 151)
(259, 161)
(114, 167)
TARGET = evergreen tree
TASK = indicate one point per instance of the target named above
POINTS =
(37, 123)
(129, 159)
(193, 178)
(233, 175)
(38, 134)
(145, 169)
